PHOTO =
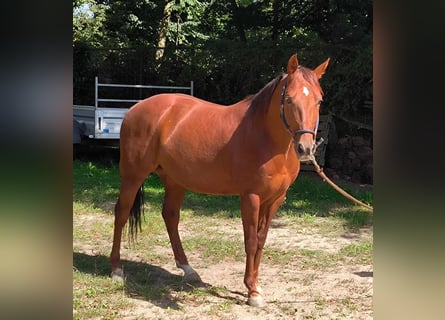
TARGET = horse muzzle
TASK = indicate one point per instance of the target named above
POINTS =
(304, 151)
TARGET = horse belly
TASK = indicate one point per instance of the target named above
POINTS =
(199, 172)
(224, 176)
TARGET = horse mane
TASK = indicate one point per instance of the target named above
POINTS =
(261, 100)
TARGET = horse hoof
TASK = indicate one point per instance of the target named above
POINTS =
(257, 301)
(192, 277)
(117, 275)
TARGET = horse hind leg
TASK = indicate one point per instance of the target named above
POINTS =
(173, 199)
(129, 202)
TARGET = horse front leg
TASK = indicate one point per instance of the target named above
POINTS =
(256, 223)
(250, 205)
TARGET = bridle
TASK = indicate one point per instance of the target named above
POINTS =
(286, 124)
(314, 148)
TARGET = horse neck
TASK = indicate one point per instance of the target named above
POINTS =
(273, 122)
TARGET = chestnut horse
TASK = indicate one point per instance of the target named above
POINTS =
(252, 148)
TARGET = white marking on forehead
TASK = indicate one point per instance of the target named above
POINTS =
(305, 91)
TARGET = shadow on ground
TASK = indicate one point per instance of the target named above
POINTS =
(148, 282)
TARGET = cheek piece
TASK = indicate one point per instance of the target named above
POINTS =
(301, 131)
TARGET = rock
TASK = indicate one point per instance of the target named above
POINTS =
(351, 155)
(347, 166)
(335, 163)
(345, 142)
(356, 164)
(352, 158)
(358, 141)
(356, 177)
(364, 152)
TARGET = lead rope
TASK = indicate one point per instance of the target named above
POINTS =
(332, 184)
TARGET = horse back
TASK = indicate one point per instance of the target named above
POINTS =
(181, 128)
(203, 146)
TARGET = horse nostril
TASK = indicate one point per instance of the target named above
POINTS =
(300, 149)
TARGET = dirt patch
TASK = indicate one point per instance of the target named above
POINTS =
(316, 281)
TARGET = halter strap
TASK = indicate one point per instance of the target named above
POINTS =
(286, 124)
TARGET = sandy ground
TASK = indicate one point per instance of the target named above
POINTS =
(293, 291)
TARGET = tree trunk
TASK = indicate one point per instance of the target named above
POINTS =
(163, 32)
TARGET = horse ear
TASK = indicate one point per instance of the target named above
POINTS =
(292, 64)
(319, 71)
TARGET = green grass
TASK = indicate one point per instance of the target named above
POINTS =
(358, 252)
(215, 249)
(311, 196)
(95, 184)
(97, 296)
(311, 206)
(97, 187)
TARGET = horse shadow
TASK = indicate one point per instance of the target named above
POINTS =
(145, 281)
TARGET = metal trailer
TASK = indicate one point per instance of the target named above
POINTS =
(96, 124)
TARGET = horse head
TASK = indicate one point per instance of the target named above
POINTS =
(300, 105)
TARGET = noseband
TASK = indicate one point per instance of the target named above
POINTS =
(286, 124)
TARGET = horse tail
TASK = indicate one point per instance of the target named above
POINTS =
(136, 212)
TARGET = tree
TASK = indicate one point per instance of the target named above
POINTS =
(164, 28)
(229, 48)
(88, 22)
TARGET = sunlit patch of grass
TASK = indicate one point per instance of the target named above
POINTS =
(316, 259)
(152, 222)
(305, 258)
(97, 297)
(220, 206)
(361, 252)
(310, 195)
(277, 256)
(307, 218)
(312, 224)
(215, 250)
(80, 208)
(354, 250)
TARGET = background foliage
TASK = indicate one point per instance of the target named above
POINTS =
(228, 48)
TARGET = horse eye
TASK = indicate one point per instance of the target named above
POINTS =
(288, 99)
(319, 102)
